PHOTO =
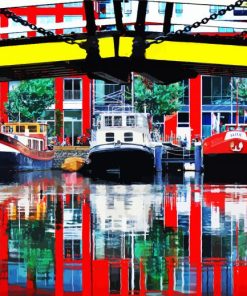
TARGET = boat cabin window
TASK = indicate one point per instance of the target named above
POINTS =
(7, 129)
(109, 137)
(20, 128)
(130, 120)
(35, 144)
(29, 143)
(41, 146)
(42, 128)
(108, 121)
(117, 120)
(128, 137)
(32, 128)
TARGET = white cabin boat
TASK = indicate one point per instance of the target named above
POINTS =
(122, 140)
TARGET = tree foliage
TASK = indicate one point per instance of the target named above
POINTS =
(30, 99)
(159, 99)
(240, 84)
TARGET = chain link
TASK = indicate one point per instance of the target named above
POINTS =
(71, 40)
(197, 24)
(11, 15)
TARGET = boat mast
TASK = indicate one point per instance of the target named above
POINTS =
(237, 111)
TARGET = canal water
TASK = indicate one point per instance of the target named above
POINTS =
(66, 234)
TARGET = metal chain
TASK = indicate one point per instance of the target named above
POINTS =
(197, 24)
(71, 40)
(11, 15)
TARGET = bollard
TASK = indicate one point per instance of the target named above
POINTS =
(198, 157)
(158, 158)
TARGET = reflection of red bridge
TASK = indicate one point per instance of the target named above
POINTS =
(96, 273)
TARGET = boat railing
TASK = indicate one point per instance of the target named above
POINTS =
(121, 109)
(23, 149)
(178, 153)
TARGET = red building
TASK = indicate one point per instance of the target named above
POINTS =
(72, 94)
(203, 102)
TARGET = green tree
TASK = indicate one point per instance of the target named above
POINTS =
(30, 99)
(241, 84)
(159, 99)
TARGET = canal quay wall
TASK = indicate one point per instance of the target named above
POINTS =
(171, 156)
(63, 152)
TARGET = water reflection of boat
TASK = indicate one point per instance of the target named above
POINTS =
(122, 140)
(81, 237)
(23, 146)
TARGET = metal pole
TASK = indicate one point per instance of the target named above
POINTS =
(132, 89)
(231, 99)
(237, 113)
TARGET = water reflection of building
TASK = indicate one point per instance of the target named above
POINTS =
(121, 239)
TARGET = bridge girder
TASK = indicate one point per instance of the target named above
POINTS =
(116, 56)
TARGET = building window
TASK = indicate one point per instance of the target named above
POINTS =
(240, 11)
(162, 8)
(214, 8)
(72, 19)
(72, 89)
(183, 119)
(46, 6)
(206, 125)
(73, 4)
(17, 26)
(106, 95)
(72, 115)
(226, 30)
(47, 21)
(216, 90)
(48, 115)
(127, 7)
(178, 9)
(185, 97)
(106, 9)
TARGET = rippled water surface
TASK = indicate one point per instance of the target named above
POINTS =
(65, 234)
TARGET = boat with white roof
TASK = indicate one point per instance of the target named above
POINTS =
(124, 141)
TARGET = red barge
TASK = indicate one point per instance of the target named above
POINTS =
(226, 151)
(23, 146)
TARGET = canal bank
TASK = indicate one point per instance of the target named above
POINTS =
(171, 157)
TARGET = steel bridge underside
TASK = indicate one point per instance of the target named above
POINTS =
(112, 57)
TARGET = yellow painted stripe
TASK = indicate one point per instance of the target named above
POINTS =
(190, 52)
(198, 53)
(50, 52)
(39, 53)
(106, 46)
(166, 51)
(125, 46)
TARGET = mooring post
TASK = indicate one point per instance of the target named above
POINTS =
(198, 156)
(158, 157)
